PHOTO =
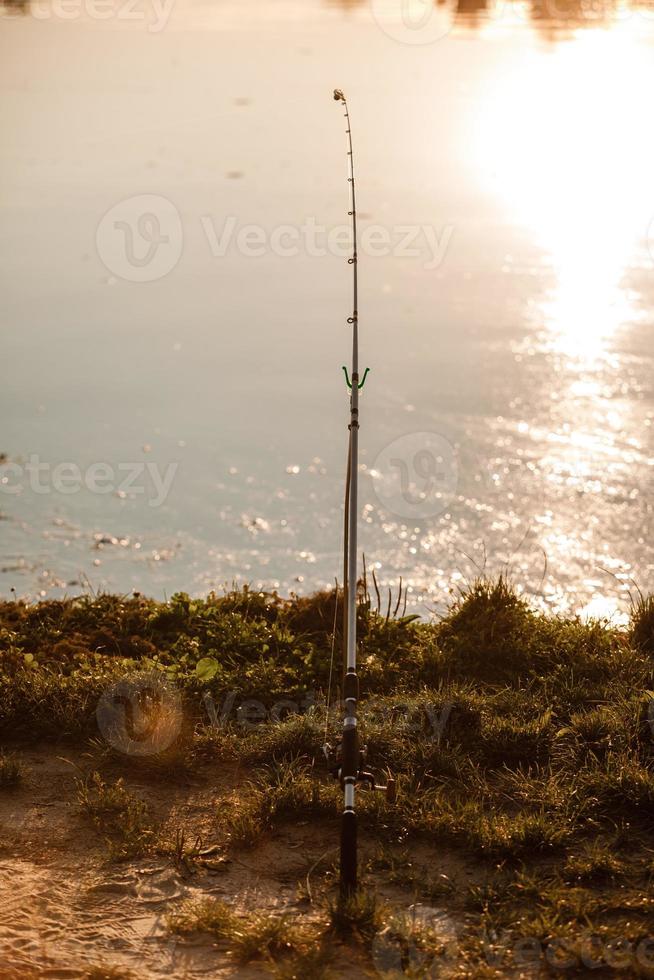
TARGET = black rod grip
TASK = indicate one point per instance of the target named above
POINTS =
(351, 686)
(350, 753)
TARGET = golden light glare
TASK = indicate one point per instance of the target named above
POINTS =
(571, 155)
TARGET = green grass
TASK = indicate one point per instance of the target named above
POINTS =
(596, 862)
(642, 623)
(278, 791)
(11, 770)
(360, 915)
(313, 962)
(120, 816)
(247, 935)
(520, 742)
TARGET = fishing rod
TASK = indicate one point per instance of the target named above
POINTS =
(348, 761)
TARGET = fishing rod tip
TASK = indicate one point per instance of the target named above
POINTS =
(338, 95)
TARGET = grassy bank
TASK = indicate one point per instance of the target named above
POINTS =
(523, 745)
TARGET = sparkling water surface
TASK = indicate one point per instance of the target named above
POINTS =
(175, 286)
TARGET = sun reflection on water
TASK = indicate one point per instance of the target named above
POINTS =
(572, 157)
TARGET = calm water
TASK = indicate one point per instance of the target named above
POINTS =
(144, 325)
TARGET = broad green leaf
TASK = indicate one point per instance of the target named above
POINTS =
(207, 668)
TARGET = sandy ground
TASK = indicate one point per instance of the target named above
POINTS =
(64, 908)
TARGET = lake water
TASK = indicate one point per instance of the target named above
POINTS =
(175, 293)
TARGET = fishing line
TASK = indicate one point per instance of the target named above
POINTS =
(343, 543)
(331, 664)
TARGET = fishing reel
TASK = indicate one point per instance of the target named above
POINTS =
(333, 758)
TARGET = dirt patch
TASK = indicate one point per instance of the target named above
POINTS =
(66, 909)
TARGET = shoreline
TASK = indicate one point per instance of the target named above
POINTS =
(522, 746)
